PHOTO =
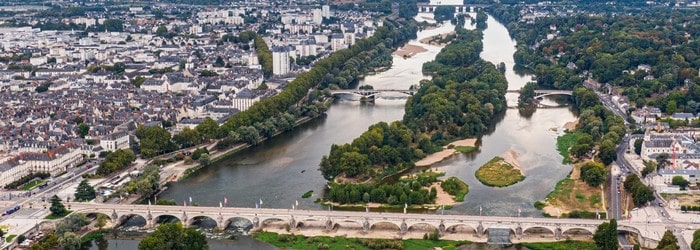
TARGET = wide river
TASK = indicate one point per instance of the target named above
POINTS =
(280, 170)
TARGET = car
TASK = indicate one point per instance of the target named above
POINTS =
(618, 191)
(661, 204)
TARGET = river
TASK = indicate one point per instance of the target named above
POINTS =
(280, 170)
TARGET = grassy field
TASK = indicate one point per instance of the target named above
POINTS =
(10, 237)
(465, 149)
(302, 242)
(53, 216)
(575, 195)
(455, 187)
(498, 173)
(565, 142)
(563, 245)
(28, 186)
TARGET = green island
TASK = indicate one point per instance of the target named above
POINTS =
(324, 242)
(433, 119)
(498, 173)
(455, 187)
(307, 194)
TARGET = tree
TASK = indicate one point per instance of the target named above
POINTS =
(114, 25)
(668, 242)
(593, 173)
(162, 31)
(57, 207)
(208, 128)
(219, 62)
(204, 159)
(444, 13)
(187, 137)
(638, 146)
(249, 134)
(101, 221)
(170, 236)
(69, 241)
(680, 181)
(154, 140)
(84, 192)
(607, 152)
(649, 167)
(662, 160)
(605, 236)
(137, 81)
(83, 130)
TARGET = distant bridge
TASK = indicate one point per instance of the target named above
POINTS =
(371, 93)
(463, 8)
(546, 92)
(479, 226)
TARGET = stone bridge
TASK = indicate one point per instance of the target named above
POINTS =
(546, 92)
(429, 8)
(364, 221)
(371, 93)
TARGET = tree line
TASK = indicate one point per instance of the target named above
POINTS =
(115, 161)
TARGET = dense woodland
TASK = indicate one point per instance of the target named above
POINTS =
(609, 48)
(460, 101)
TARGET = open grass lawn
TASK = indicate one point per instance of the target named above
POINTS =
(31, 185)
(498, 173)
(576, 196)
(302, 242)
(53, 216)
(562, 245)
(565, 142)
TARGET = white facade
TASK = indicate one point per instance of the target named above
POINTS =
(115, 141)
(318, 16)
(280, 61)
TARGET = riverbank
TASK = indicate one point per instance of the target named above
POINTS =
(457, 146)
(342, 242)
(572, 197)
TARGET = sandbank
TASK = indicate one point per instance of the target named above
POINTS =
(446, 152)
(409, 50)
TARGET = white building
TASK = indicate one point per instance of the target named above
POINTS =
(326, 11)
(115, 141)
(280, 60)
(318, 16)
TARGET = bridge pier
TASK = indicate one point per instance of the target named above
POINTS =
(220, 223)
(150, 222)
(557, 233)
(519, 232)
(329, 224)
(292, 223)
(365, 226)
(256, 222)
(184, 220)
(480, 230)
(403, 228)
(441, 227)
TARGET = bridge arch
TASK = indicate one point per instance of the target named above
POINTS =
(94, 215)
(384, 225)
(577, 231)
(202, 221)
(133, 219)
(460, 228)
(238, 222)
(167, 218)
(538, 230)
(422, 226)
